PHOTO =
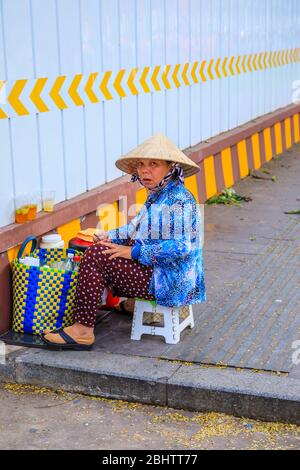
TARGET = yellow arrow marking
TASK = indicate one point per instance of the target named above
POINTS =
(203, 77)
(209, 71)
(287, 57)
(249, 62)
(259, 61)
(35, 95)
(175, 77)
(295, 55)
(3, 115)
(274, 59)
(265, 60)
(217, 68)
(103, 85)
(130, 81)
(117, 83)
(237, 65)
(193, 72)
(230, 66)
(89, 88)
(278, 58)
(270, 59)
(224, 67)
(154, 78)
(291, 56)
(143, 80)
(282, 58)
(55, 90)
(184, 74)
(13, 97)
(165, 77)
(73, 90)
(254, 62)
(244, 63)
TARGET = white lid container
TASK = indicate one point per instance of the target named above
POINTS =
(52, 241)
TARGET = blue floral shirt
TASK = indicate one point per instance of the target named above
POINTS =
(169, 239)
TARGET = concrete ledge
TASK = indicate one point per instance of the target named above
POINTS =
(153, 381)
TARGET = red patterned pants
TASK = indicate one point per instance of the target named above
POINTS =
(127, 277)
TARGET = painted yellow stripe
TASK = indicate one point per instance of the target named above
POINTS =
(227, 167)
(191, 184)
(175, 77)
(143, 82)
(130, 81)
(210, 176)
(118, 83)
(224, 67)
(243, 159)
(73, 90)
(278, 138)
(256, 151)
(103, 85)
(14, 98)
(288, 132)
(231, 65)
(140, 198)
(109, 216)
(184, 74)
(296, 128)
(69, 230)
(202, 74)
(209, 69)
(89, 88)
(55, 92)
(164, 77)
(35, 95)
(154, 78)
(268, 144)
(193, 72)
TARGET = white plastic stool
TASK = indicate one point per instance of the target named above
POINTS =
(175, 320)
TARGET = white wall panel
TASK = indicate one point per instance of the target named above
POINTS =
(74, 149)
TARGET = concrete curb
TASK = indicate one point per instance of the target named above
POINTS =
(158, 382)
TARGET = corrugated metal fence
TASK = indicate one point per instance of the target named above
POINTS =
(83, 81)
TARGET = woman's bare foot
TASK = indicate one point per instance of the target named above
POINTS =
(129, 305)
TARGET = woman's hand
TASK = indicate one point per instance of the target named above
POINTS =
(101, 235)
(116, 250)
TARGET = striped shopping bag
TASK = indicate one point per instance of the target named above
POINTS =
(43, 298)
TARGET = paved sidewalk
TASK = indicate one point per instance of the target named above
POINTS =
(250, 321)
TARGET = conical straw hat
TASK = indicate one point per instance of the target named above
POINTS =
(157, 147)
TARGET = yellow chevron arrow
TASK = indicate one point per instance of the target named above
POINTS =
(270, 59)
(287, 57)
(55, 90)
(154, 78)
(193, 72)
(209, 71)
(73, 90)
(291, 56)
(254, 62)
(164, 77)
(295, 55)
(89, 88)
(184, 74)
(249, 62)
(35, 95)
(282, 58)
(274, 59)
(3, 115)
(103, 85)
(260, 65)
(217, 68)
(265, 60)
(117, 83)
(244, 63)
(130, 81)
(143, 80)
(224, 67)
(278, 59)
(203, 77)
(230, 66)
(237, 65)
(175, 77)
(13, 97)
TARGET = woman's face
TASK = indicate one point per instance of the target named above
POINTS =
(152, 172)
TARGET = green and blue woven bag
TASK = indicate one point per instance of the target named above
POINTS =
(43, 298)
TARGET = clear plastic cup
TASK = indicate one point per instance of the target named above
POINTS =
(48, 199)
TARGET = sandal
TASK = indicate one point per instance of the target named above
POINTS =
(70, 343)
(121, 309)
